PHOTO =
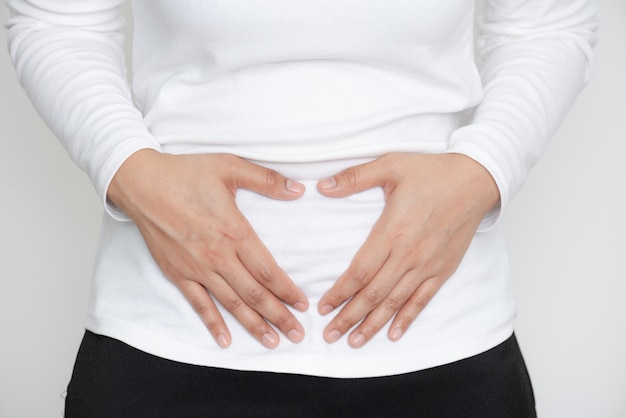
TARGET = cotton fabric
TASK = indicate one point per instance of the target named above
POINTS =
(307, 88)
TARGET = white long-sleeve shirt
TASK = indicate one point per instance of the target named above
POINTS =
(307, 88)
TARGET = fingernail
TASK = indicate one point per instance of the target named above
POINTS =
(357, 340)
(326, 309)
(333, 336)
(222, 340)
(396, 334)
(328, 183)
(269, 340)
(301, 306)
(295, 336)
(294, 186)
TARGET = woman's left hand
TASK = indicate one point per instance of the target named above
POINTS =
(434, 204)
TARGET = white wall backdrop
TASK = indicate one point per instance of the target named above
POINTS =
(566, 234)
(567, 245)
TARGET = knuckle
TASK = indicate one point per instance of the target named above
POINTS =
(210, 256)
(344, 323)
(265, 274)
(196, 247)
(352, 175)
(170, 271)
(393, 303)
(420, 301)
(361, 276)
(256, 296)
(282, 322)
(336, 300)
(404, 320)
(233, 304)
(369, 330)
(257, 328)
(372, 295)
(272, 179)
(205, 252)
(235, 232)
(287, 295)
(398, 233)
(212, 324)
(202, 306)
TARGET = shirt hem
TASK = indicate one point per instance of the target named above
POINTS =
(294, 362)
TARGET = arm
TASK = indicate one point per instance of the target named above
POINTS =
(537, 58)
(68, 56)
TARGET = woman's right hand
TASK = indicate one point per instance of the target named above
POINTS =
(184, 207)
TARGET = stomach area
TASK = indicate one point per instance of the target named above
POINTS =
(314, 238)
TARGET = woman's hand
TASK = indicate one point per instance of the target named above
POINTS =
(184, 207)
(434, 204)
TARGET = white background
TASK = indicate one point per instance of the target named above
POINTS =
(566, 232)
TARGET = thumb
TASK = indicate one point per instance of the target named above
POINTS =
(267, 182)
(352, 180)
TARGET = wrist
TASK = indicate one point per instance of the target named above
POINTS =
(478, 182)
(131, 177)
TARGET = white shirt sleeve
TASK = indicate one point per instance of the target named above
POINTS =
(69, 57)
(537, 56)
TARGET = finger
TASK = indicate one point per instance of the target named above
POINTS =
(413, 307)
(204, 306)
(390, 305)
(354, 180)
(257, 259)
(251, 320)
(364, 302)
(249, 294)
(265, 181)
(366, 264)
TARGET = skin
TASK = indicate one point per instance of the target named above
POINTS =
(434, 204)
(184, 207)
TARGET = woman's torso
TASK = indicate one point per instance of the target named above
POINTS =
(307, 88)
